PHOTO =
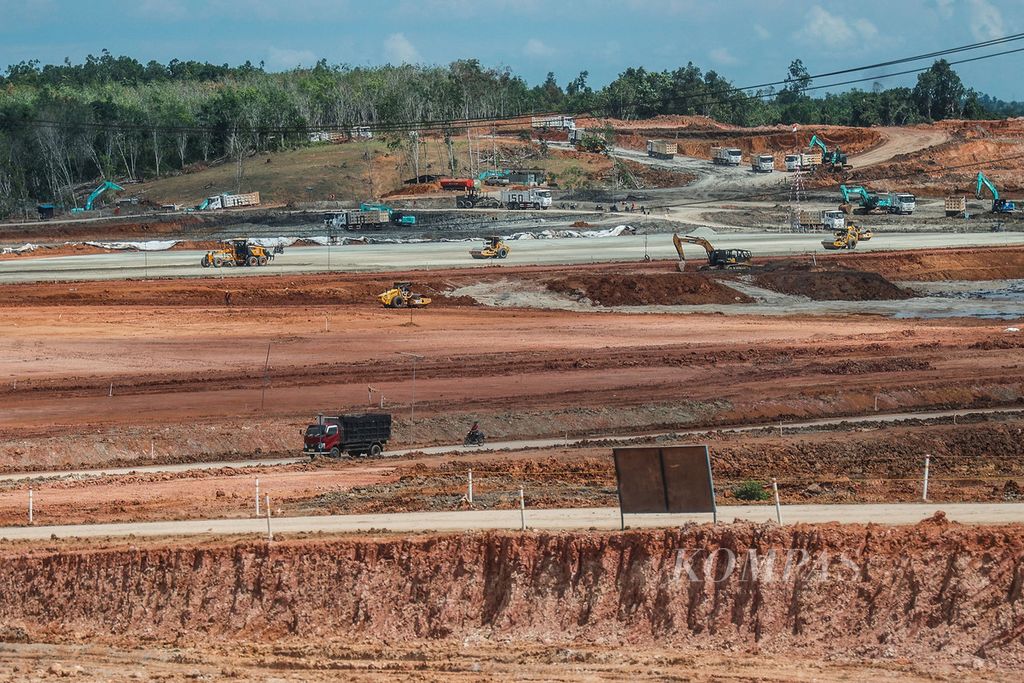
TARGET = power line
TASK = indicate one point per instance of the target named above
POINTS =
(447, 124)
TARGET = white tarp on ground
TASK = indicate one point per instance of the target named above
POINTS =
(19, 250)
(561, 234)
(151, 245)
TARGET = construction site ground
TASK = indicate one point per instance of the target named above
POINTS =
(848, 369)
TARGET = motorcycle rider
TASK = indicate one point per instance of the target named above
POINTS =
(474, 433)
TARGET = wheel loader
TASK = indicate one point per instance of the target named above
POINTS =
(238, 252)
(402, 296)
(495, 247)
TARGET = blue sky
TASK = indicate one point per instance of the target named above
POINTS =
(748, 41)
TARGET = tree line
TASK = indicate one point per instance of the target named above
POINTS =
(113, 117)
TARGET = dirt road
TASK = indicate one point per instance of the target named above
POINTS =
(578, 518)
(899, 141)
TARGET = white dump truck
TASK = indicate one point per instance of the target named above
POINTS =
(526, 199)
(762, 163)
(825, 220)
(726, 156)
(902, 203)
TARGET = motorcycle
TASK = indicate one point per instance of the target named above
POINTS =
(474, 438)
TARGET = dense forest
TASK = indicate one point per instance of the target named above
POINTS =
(114, 117)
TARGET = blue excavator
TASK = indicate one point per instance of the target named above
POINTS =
(397, 217)
(999, 205)
(107, 185)
(495, 177)
(869, 201)
(834, 158)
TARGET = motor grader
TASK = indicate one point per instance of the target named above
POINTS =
(238, 252)
(402, 296)
(495, 247)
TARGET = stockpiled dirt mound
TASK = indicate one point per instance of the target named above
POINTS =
(829, 285)
(648, 289)
(936, 590)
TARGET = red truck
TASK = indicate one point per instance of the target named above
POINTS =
(457, 184)
(365, 434)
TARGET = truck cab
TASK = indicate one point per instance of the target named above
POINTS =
(903, 203)
(323, 438)
(762, 163)
(792, 162)
(833, 220)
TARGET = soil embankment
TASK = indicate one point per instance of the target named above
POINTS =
(648, 289)
(936, 590)
(829, 284)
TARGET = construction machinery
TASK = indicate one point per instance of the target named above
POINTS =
(845, 239)
(474, 199)
(999, 205)
(238, 252)
(662, 149)
(722, 259)
(106, 185)
(494, 247)
(726, 156)
(396, 217)
(402, 296)
(834, 158)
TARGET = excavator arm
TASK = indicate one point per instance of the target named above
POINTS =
(984, 182)
(107, 185)
(815, 142)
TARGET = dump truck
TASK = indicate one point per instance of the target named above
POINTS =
(726, 156)
(526, 199)
(553, 121)
(358, 220)
(238, 252)
(364, 434)
(762, 163)
(902, 203)
(792, 162)
(956, 207)
(494, 247)
(731, 259)
(401, 296)
(832, 219)
(662, 149)
(229, 201)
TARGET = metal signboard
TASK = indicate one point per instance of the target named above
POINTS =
(670, 479)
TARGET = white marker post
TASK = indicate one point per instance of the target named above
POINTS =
(469, 495)
(270, 535)
(778, 506)
(876, 403)
(522, 510)
(924, 493)
(257, 496)
(30, 519)
(110, 393)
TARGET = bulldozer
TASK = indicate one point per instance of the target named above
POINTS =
(238, 252)
(495, 247)
(845, 239)
(402, 296)
(722, 259)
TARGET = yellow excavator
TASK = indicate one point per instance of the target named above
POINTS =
(402, 296)
(494, 247)
(731, 259)
(238, 252)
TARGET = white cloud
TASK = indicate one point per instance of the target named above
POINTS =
(986, 20)
(762, 32)
(825, 28)
(284, 58)
(537, 48)
(945, 8)
(722, 55)
(398, 50)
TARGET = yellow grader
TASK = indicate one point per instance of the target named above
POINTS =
(238, 252)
